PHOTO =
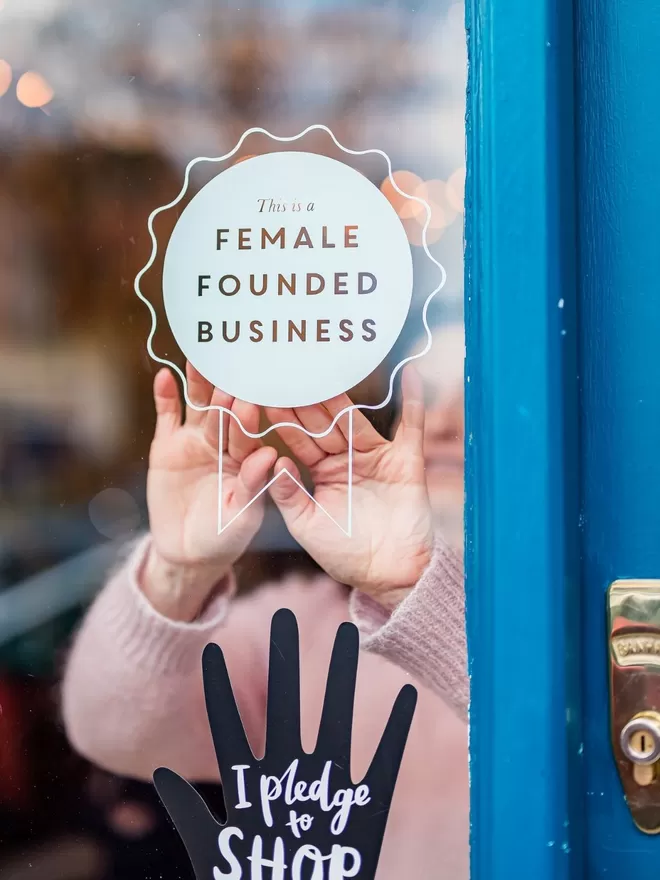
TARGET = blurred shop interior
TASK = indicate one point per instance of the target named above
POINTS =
(102, 105)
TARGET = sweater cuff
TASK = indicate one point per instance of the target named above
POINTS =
(148, 637)
(425, 634)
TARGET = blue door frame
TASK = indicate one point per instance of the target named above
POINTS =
(522, 564)
(563, 416)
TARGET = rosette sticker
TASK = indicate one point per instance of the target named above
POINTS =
(287, 280)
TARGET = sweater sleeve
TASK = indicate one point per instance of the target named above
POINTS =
(132, 695)
(425, 634)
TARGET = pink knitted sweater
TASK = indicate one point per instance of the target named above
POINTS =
(132, 694)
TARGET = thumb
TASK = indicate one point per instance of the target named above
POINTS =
(253, 473)
(167, 403)
(288, 492)
(188, 811)
(411, 428)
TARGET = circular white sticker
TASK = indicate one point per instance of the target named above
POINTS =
(287, 279)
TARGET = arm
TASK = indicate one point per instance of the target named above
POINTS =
(425, 634)
(132, 694)
(407, 588)
(132, 685)
(132, 691)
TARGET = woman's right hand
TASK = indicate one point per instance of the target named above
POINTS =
(188, 557)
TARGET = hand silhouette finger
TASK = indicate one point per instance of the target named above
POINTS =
(334, 740)
(283, 709)
(383, 771)
(229, 739)
(192, 818)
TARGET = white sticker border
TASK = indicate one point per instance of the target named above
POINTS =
(349, 409)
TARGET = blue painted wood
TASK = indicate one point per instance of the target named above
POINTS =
(618, 150)
(521, 556)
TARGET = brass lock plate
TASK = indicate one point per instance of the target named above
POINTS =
(634, 648)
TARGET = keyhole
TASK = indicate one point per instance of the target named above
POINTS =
(642, 744)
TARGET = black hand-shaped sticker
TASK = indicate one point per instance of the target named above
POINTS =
(290, 815)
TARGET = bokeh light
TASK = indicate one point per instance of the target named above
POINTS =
(407, 182)
(32, 90)
(435, 193)
(5, 76)
(410, 208)
(114, 513)
(443, 198)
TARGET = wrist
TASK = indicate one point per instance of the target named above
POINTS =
(391, 592)
(179, 590)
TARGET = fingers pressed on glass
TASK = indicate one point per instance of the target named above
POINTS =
(240, 445)
(299, 442)
(291, 499)
(167, 402)
(254, 473)
(365, 436)
(411, 427)
(317, 420)
(212, 423)
(200, 392)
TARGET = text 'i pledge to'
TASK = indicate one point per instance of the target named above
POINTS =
(338, 863)
(360, 283)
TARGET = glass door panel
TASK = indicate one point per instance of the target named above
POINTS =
(102, 107)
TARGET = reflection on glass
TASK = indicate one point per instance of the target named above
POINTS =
(101, 107)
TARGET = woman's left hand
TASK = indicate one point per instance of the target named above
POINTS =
(392, 537)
